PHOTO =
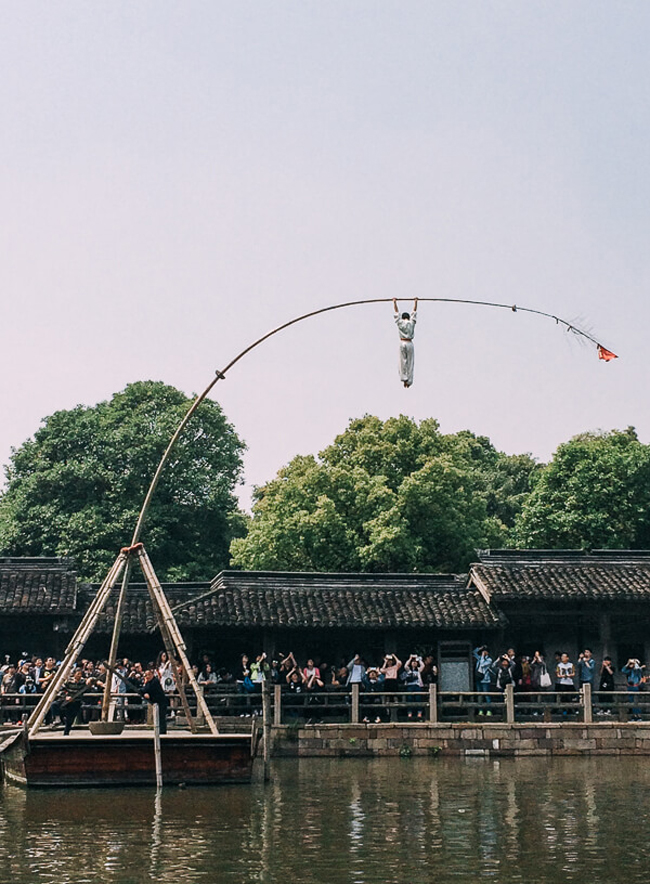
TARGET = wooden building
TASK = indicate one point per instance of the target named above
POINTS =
(566, 600)
(528, 599)
(330, 617)
(39, 605)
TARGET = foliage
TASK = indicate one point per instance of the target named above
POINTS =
(594, 494)
(386, 496)
(75, 489)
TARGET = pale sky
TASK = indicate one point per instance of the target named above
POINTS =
(177, 178)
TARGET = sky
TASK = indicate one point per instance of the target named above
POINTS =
(178, 178)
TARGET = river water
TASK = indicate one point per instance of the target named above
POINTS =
(382, 821)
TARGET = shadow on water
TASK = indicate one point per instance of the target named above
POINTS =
(388, 821)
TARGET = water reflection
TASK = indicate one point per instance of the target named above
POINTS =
(344, 822)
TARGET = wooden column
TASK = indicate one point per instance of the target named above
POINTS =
(605, 634)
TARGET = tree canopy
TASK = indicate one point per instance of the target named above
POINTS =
(76, 487)
(594, 494)
(386, 496)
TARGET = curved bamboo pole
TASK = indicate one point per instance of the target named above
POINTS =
(220, 375)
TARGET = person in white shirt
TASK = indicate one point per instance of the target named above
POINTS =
(406, 327)
(564, 675)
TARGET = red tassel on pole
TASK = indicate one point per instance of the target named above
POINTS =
(607, 355)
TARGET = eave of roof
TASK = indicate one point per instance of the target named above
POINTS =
(308, 600)
(563, 576)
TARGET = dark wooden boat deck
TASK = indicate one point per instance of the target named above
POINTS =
(81, 759)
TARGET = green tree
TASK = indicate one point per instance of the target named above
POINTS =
(385, 496)
(594, 494)
(75, 488)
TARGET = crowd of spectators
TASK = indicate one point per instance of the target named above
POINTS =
(532, 674)
(22, 682)
(414, 674)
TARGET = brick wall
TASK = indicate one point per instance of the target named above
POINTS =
(353, 740)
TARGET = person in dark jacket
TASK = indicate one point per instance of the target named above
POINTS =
(153, 693)
(504, 673)
(606, 685)
(71, 699)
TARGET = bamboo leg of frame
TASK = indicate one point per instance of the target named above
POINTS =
(117, 628)
(172, 627)
(170, 645)
(75, 647)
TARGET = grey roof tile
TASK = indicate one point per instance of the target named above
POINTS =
(37, 586)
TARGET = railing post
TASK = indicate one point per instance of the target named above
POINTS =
(354, 710)
(433, 703)
(587, 708)
(277, 705)
(510, 703)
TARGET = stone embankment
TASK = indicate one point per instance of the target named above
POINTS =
(461, 739)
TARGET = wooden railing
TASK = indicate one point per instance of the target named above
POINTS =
(354, 705)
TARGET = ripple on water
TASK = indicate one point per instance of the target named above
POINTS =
(389, 821)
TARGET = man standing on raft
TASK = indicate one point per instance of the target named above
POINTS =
(406, 326)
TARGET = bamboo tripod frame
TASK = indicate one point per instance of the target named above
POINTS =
(172, 638)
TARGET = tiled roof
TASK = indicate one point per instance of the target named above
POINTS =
(138, 615)
(563, 576)
(302, 600)
(37, 586)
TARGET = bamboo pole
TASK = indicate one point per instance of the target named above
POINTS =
(171, 626)
(266, 725)
(152, 581)
(221, 375)
(76, 645)
(156, 745)
(117, 628)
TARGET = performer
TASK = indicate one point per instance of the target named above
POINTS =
(71, 698)
(153, 693)
(406, 326)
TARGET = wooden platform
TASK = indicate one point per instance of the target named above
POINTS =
(81, 759)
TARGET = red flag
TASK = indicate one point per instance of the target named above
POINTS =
(607, 355)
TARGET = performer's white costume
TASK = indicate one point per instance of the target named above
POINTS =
(406, 349)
